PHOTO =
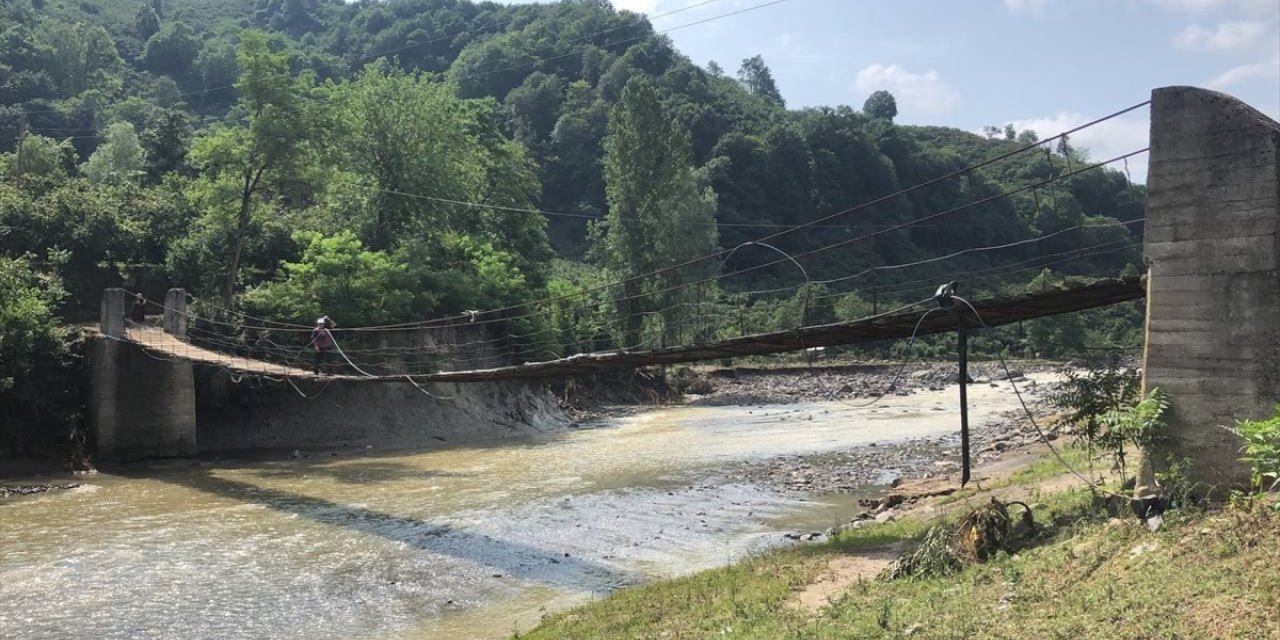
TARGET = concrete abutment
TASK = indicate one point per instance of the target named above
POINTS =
(1213, 290)
(141, 405)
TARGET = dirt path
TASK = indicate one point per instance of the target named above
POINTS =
(842, 573)
(927, 499)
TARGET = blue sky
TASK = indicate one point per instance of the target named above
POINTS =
(1041, 64)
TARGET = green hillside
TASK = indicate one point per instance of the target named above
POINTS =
(408, 159)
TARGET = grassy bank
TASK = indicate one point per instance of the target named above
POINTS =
(1212, 573)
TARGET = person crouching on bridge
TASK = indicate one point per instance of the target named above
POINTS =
(322, 341)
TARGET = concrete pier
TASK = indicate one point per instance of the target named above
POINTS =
(142, 406)
(1212, 244)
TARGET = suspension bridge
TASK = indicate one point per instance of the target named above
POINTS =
(1209, 239)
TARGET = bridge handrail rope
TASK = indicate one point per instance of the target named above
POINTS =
(283, 326)
(992, 272)
(265, 343)
(473, 361)
(768, 237)
(971, 250)
(812, 252)
(597, 304)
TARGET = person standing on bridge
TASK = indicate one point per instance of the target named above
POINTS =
(322, 341)
(138, 312)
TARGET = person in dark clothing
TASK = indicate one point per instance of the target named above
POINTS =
(138, 312)
(321, 342)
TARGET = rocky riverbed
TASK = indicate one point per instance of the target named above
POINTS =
(856, 469)
(33, 489)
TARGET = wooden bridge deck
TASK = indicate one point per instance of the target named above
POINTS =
(995, 312)
(164, 345)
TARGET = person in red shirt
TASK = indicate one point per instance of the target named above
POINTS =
(322, 342)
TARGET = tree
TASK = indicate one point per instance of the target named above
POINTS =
(82, 57)
(715, 69)
(165, 142)
(882, 105)
(146, 23)
(40, 157)
(172, 50)
(120, 158)
(755, 75)
(658, 213)
(338, 276)
(535, 107)
(243, 160)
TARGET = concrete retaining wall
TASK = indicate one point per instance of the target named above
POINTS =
(243, 416)
(1213, 293)
(141, 407)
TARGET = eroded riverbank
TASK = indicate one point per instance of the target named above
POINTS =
(430, 544)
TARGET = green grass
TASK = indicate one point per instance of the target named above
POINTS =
(1209, 574)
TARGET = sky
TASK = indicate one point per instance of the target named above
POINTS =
(1046, 65)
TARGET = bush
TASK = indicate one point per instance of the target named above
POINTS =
(1262, 450)
(1106, 386)
(39, 381)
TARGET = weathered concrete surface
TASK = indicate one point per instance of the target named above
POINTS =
(247, 415)
(141, 407)
(1212, 242)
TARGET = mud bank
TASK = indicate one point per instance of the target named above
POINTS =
(243, 416)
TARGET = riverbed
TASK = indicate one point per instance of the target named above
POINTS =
(462, 541)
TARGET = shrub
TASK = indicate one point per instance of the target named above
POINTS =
(1261, 450)
(1106, 386)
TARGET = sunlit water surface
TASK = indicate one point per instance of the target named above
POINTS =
(455, 542)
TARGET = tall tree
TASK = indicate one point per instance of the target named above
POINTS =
(757, 77)
(882, 105)
(146, 22)
(119, 159)
(658, 212)
(270, 148)
(172, 50)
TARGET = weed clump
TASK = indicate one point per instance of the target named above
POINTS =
(946, 549)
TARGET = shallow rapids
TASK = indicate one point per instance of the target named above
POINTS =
(467, 541)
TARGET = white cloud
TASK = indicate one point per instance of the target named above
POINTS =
(638, 6)
(1024, 5)
(1235, 75)
(1104, 140)
(917, 94)
(1228, 36)
(1254, 7)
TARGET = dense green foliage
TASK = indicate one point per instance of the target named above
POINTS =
(1261, 450)
(1106, 386)
(388, 161)
(37, 357)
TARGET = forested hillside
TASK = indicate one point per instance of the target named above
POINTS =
(396, 160)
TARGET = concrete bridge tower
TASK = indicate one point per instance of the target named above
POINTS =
(142, 405)
(1212, 244)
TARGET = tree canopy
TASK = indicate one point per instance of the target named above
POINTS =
(430, 157)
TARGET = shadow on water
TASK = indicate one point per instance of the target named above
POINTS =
(348, 472)
(509, 558)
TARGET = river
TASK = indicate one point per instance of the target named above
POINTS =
(455, 542)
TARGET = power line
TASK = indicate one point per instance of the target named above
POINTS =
(848, 211)
(843, 243)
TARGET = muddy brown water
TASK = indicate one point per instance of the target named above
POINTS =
(459, 542)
